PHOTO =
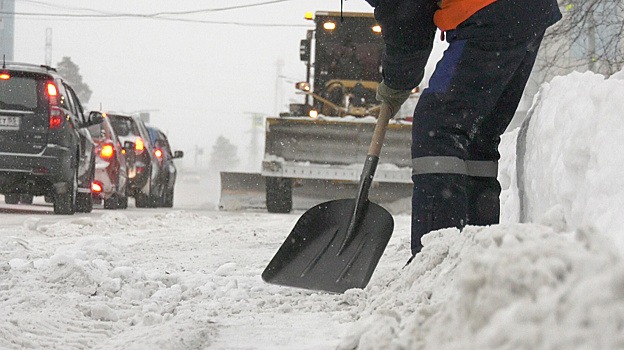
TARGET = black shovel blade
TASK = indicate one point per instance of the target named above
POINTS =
(311, 256)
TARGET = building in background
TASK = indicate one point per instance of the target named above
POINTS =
(7, 29)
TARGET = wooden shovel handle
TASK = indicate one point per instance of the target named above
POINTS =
(385, 113)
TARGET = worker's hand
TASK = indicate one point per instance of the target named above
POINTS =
(393, 98)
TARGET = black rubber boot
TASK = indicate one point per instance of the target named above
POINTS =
(439, 201)
(484, 199)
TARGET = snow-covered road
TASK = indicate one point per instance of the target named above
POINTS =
(183, 278)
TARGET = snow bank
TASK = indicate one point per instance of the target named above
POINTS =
(574, 157)
(558, 283)
(514, 287)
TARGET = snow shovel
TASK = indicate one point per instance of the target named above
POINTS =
(336, 245)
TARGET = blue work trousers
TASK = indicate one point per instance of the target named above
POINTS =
(472, 97)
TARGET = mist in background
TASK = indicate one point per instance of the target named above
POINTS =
(202, 69)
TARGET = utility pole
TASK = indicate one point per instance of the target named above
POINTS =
(48, 47)
(199, 151)
(7, 29)
(257, 124)
(279, 64)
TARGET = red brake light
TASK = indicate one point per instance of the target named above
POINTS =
(56, 114)
(158, 153)
(56, 117)
(52, 91)
(5, 76)
(96, 187)
(107, 151)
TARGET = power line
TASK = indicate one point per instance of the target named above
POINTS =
(164, 15)
(59, 6)
(88, 9)
(236, 7)
(149, 15)
(171, 19)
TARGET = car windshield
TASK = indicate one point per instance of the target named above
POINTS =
(18, 93)
(124, 126)
(96, 131)
(159, 140)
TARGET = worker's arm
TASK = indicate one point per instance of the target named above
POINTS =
(408, 31)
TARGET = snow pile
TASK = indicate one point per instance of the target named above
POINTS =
(558, 283)
(515, 287)
(574, 157)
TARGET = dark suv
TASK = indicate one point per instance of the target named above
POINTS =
(45, 149)
(144, 169)
(167, 174)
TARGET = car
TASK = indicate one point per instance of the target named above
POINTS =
(110, 184)
(143, 171)
(45, 149)
(167, 175)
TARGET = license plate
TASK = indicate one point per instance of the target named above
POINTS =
(9, 123)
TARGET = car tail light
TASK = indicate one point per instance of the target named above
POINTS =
(56, 117)
(96, 187)
(5, 76)
(52, 90)
(56, 114)
(139, 146)
(107, 151)
(158, 153)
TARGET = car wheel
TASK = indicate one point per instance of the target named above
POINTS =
(123, 202)
(154, 202)
(141, 200)
(157, 192)
(65, 203)
(84, 202)
(11, 198)
(278, 194)
(168, 200)
(26, 198)
(112, 202)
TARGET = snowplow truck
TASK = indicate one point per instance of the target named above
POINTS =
(315, 152)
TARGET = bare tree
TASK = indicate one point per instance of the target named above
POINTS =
(223, 156)
(589, 37)
(71, 72)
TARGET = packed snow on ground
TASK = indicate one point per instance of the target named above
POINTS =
(190, 279)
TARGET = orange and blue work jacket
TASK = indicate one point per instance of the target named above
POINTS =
(453, 12)
(409, 27)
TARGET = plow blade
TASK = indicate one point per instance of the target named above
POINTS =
(309, 161)
(247, 191)
(241, 191)
(335, 142)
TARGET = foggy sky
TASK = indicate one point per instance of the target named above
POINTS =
(198, 80)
